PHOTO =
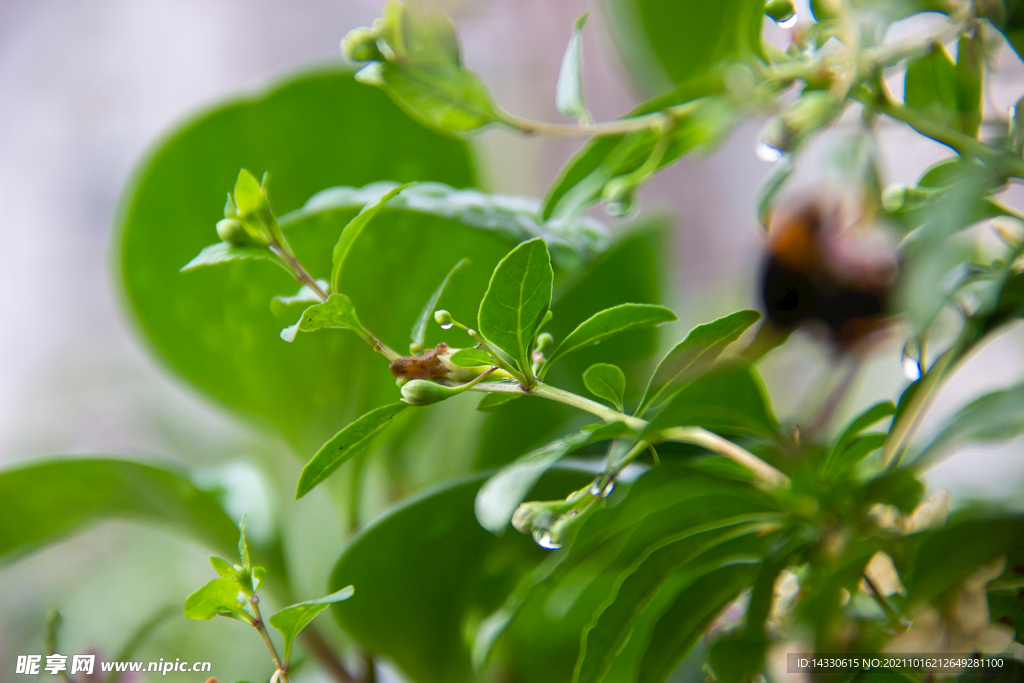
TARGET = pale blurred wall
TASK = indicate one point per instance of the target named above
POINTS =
(87, 87)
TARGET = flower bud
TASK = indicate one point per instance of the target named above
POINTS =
(545, 342)
(423, 392)
(360, 45)
(415, 349)
(444, 319)
(232, 232)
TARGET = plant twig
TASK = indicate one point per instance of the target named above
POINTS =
(699, 436)
(282, 669)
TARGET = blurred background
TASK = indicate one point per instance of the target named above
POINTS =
(87, 87)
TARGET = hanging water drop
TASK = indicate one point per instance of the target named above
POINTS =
(789, 23)
(447, 326)
(599, 491)
(544, 540)
(911, 361)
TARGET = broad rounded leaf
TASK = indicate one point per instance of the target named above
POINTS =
(606, 381)
(213, 325)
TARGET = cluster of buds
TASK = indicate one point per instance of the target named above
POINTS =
(550, 522)
(248, 220)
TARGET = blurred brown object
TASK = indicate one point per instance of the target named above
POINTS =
(818, 270)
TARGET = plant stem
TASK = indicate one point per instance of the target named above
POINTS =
(254, 601)
(570, 399)
(300, 273)
(699, 436)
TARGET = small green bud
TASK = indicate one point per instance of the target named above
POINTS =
(444, 319)
(423, 392)
(230, 210)
(545, 342)
(415, 349)
(360, 45)
(894, 197)
(232, 232)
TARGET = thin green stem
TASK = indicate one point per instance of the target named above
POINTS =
(570, 399)
(699, 436)
(889, 610)
(282, 668)
(298, 271)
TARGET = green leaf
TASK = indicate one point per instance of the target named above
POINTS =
(900, 488)
(345, 445)
(667, 43)
(736, 659)
(442, 95)
(281, 305)
(855, 451)
(46, 500)
(569, 89)
(868, 418)
(336, 312)
(223, 252)
(243, 548)
(352, 230)
(223, 568)
(471, 358)
(220, 596)
(419, 330)
(693, 356)
(606, 381)
(292, 619)
(950, 92)
(728, 400)
(662, 573)
(609, 322)
(502, 493)
(426, 573)
(970, 74)
(491, 401)
(213, 327)
(682, 624)
(516, 300)
(997, 416)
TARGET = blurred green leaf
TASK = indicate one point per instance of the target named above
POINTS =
(352, 230)
(737, 658)
(970, 75)
(685, 621)
(661, 575)
(609, 322)
(336, 312)
(997, 416)
(218, 597)
(930, 84)
(900, 488)
(694, 355)
(606, 381)
(517, 297)
(293, 618)
(281, 305)
(43, 501)
(222, 252)
(855, 451)
(728, 400)
(668, 43)
(345, 445)
(426, 573)
(868, 418)
(949, 555)
(213, 325)
(419, 330)
(569, 89)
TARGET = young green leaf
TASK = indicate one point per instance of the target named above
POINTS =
(869, 417)
(292, 619)
(223, 568)
(499, 497)
(352, 230)
(471, 358)
(419, 330)
(694, 355)
(970, 74)
(243, 550)
(491, 401)
(280, 305)
(516, 300)
(337, 311)
(220, 596)
(346, 444)
(606, 381)
(222, 252)
(930, 84)
(609, 322)
(569, 90)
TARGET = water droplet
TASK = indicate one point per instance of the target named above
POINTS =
(598, 491)
(766, 152)
(447, 326)
(544, 540)
(911, 361)
(791, 22)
